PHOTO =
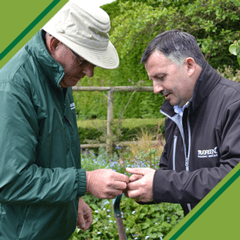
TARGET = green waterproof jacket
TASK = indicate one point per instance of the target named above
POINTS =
(40, 176)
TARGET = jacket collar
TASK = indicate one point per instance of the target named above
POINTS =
(205, 83)
(36, 46)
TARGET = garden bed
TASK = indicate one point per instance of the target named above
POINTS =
(140, 221)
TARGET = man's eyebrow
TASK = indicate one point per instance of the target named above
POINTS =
(158, 75)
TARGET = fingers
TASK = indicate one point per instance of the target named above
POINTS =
(120, 177)
(85, 218)
(141, 184)
(140, 195)
(135, 177)
(119, 185)
(135, 187)
(80, 221)
(134, 194)
(88, 219)
(140, 171)
(106, 183)
(84, 221)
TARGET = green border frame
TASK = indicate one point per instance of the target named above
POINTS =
(28, 28)
(205, 206)
(185, 223)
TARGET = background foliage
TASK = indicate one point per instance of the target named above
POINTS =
(94, 131)
(235, 49)
(215, 24)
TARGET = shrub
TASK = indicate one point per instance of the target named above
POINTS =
(229, 73)
(145, 149)
(94, 131)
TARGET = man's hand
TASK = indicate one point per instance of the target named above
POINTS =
(141, 184)
(85, 218)
(105, 183)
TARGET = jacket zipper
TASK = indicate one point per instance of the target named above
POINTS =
(189, 146)
(187, 154)
(65, 116)
(63, 102)
(174, 152)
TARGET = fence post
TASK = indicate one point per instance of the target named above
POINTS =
(111, 90)
(110, 121)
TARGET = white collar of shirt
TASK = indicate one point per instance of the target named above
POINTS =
(179, 110)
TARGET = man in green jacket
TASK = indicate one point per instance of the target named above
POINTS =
(41, 180)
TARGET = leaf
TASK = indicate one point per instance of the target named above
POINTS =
(238, 58)
(233, 48)
(238, 48)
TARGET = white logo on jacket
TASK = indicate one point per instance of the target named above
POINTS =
(208, 153)
(72, 106)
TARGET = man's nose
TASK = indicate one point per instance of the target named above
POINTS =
(157, 87)
(89, 70)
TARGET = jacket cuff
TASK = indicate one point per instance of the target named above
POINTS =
(163, 186)
(81, 182)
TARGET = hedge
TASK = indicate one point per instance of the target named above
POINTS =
(94, 131)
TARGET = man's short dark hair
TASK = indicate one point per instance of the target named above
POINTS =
(175, 45)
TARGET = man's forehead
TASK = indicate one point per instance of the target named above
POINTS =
(157, 64)
(159, 58)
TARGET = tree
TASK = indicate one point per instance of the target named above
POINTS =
(215, 24)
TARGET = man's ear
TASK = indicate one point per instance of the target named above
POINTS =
(53, 44)
(190, 65)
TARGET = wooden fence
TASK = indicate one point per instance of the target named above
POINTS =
(111, 90)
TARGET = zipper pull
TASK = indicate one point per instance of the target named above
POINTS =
(187, 164)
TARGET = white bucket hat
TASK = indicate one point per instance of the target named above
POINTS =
(84, 29)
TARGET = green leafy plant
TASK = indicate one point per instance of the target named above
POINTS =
(235, 49)
(141, 221)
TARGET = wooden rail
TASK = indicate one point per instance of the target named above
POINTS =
(122, 144)
(109, 144)
(115, 89)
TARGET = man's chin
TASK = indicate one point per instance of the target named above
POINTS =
(66, 84)
(173, 103)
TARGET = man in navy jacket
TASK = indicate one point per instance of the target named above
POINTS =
(202, 126)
